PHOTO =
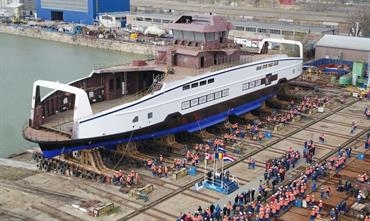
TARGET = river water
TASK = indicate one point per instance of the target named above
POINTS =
(25, 60)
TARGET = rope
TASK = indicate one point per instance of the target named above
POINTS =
(123, 155)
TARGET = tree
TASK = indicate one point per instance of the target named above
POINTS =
(363, 18)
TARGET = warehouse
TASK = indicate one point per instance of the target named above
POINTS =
(78, 11)
(343, 48)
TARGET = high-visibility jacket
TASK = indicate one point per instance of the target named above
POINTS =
(278, 206)
(320, 204)
(282, 202)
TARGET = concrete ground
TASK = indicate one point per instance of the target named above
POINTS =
(352, 169)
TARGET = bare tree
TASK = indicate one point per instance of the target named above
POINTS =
(363, 18)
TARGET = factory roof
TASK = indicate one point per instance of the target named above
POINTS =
(344, 42)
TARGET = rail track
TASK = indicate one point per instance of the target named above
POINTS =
(254, 152)
(8, 215)
(50, 194)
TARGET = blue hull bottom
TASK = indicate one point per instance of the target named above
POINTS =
(191, 127)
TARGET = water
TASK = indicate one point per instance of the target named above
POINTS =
(24, 60)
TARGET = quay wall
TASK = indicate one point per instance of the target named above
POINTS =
(130, 47)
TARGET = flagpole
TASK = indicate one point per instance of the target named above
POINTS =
(205, 169)
(214, 166)
(222, 170)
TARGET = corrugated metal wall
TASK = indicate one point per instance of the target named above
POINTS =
(79, 11)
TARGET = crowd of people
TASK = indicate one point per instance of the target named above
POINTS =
(132, 178)
(158, 166)
(256, 204)
(192, 157)
(276, 168)
(303, 107)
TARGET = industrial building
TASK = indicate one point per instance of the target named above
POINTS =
(243, 28)
(78, 11)
(343, 48)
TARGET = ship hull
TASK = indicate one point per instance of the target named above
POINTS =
(174, 123)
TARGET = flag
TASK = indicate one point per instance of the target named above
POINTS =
(208, 156)
(228, 157)
(216, 156)
(219, 149)
(220, 156)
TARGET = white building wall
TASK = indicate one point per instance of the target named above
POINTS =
(3, 3)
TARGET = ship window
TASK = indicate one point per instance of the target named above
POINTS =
(218, 94)
(203, 83)
(194, 85)
(258, 82)
(259, 68)
(65, 100)
(136, 119)
(293, 71)
(210, 81)
(271, 64)
(276, 62)
(185, 105)
(166, 21)
(194, 102)
(148, 19)
(245, 86)
(202, 100)
(210, 97)
(251, 84)
(274, 77)
(139, 19)
(264, 66)
(91, 94)
(150, 115)
(186, 87)
(225, 93)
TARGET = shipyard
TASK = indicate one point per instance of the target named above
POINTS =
(227, 115)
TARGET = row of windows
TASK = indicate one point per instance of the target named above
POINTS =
(267, 65)
(267, 31)
(204, 99)
(251, 84)
(156, 20)
(136, 118)
(196, 84)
